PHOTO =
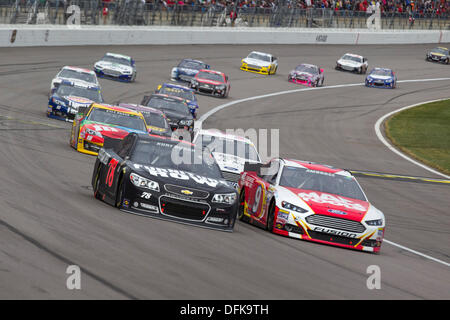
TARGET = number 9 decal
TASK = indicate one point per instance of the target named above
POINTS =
(258, 202)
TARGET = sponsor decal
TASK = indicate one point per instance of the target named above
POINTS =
(215, 219)
(321, 38)
(335, 232)
(126, 203)
(337, 211)
(331, 199)
(283, 215)
(149, 207)
(186, 192)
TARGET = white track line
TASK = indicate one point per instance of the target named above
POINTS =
(203, 118)
(393, 149)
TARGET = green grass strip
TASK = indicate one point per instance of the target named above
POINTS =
(423, 132)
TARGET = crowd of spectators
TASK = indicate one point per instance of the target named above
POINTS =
(418, 6)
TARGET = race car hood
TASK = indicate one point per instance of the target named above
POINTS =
(350, 63)
(188, 72)
(181, 178)
(377, 77)
(229, 163)
(437, 54)
(75, 80)
(77, 102)
(113, 66)
(326, 204)
(302, 74)
(256, 62)
(215, 83)
(175, 116)
(108, 130)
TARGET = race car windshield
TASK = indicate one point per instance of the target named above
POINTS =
(117, 118)
(381, 72)
(351, 58)
(72, 74)
(191, 65)
(440, 50)
(91, 94)
(185, 94)
(258, 56)
(308, 69)
(176, 156)
(210, 76)
(155, 120)
(232, 147)
(302, 178)
(169, 104)
(117, 60)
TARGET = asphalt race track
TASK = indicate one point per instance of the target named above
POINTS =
(49, 218)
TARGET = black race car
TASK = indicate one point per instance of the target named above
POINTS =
(176, 109)
(167, 179)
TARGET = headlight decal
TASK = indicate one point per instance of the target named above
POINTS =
(227, 198)
(142, 182)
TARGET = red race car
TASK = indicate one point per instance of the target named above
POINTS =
(211, 82)
(310, 201)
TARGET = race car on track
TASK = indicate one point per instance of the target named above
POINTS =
(140, 176)
(352, 62)
(176, 110)
(312, 202)
(260, 62)
(211, 82)
(182, 92)
(101, 123)
(307, 74)
(156, 119)
(187, 69)
(69, 96)
(116, 66)
(69, 73)
(381, 78)
(230, 151)
(439, 54)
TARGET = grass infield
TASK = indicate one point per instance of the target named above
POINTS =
(423, 132)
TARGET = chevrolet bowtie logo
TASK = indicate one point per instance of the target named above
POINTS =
(186, 192)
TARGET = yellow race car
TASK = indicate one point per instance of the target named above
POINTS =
(260, 62)
(439, 54)
(96, 124)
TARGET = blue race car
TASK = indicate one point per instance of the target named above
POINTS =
(69, 96)
(183, 92)
(187, 69)
(381, 78)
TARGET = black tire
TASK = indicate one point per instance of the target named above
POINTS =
(447, 61)
(240, 213)
(270, 217)
(95, 186)
(119, 193)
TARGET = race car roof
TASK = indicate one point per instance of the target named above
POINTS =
(212, 71)
(223, 135)
(261, 53)
(155, 137)
(116, 55)
(140, 108)
(316, 167)
(116, 108)
(80, 84)
(353, 55)
(173, 85)
(78, 69)
(166, 96)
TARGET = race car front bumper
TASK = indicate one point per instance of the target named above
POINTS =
(114, 76)
(380, 84)
(306, 82)
(168, 206)
(291, 225)
(255, 69)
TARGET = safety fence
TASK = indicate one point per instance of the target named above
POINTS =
(156, 13)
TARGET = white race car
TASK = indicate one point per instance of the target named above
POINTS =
(352, 62)
(74, 74)
(116, 66)
(260, 62)
(230, 151)
(310, 201)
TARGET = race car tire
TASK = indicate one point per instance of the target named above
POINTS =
(270, 217)
(447, 61)
(95, 187)
(321, 82)
(133, 78)
(240, 213)
(275, 70)
(119, 193)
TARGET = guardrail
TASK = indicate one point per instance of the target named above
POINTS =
(137, 12)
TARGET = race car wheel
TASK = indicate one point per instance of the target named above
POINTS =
(96, 194)
(447, 61)
(119, 193)
(271, 217)
(240, 213)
